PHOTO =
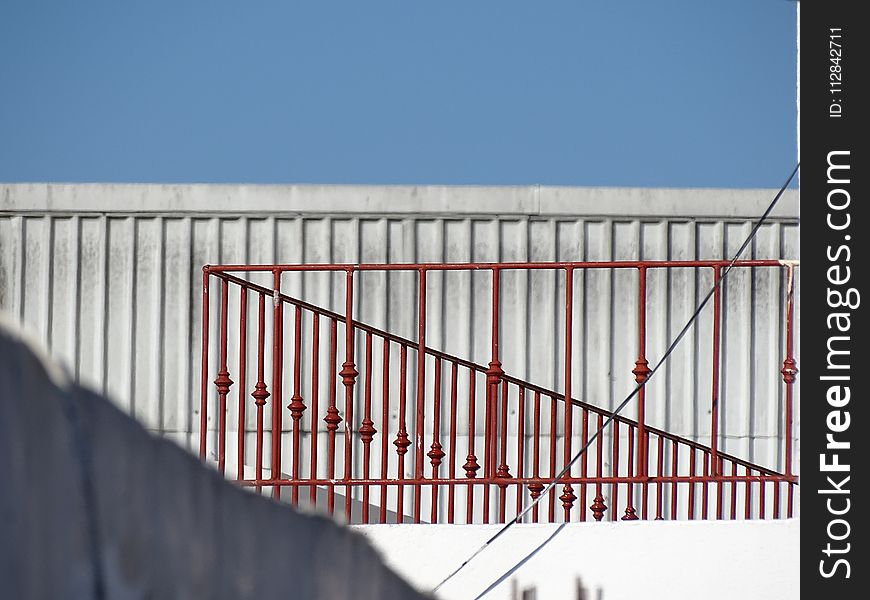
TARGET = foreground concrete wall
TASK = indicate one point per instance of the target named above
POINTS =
(108, 277)
(713, 560)
(92, 506)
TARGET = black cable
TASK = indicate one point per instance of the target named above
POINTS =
(637, 388)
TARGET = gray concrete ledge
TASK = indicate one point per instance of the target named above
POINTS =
(526, 201)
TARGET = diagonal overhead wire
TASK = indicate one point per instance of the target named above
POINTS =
(638, 387)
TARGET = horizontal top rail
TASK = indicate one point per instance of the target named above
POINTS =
(489, 266)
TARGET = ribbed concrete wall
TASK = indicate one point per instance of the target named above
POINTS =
(94, 507)
(108, 276)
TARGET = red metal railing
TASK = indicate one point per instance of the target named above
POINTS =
(398, 407)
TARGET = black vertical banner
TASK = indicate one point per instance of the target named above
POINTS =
(835, 226)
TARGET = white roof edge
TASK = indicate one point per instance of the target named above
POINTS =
(253, 199)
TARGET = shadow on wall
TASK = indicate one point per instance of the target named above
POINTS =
(92, 506)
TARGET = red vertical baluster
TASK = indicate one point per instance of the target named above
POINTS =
(733, 491)
(367, 430)
(296, 406)
(243, 368)
(660, 464)
(762, 502)
(315, 394)
(348, 378)
(598, 506)
(747, 500)
(614, 471)
(203, 401)
(551, 515)
(487, 436)
(675, 471)
(493, 376)
(385, 423)
(641, 372)
(521, 434)
(584, 466)
(704, 487)
(502, 474)
(776, 499)
(333, 417)
(451, 456)
(402, 442)
(789, 375)
(630, 513)
(719, 472)
(714, 403)
(436, 454)
(536, 487)
(277, 364)
(421, 399)
(223, 382)
(692, 483)
(568, 496)
(470, 467)
(260, 392)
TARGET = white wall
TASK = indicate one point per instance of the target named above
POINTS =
(712, 560)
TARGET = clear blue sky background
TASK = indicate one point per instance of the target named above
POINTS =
(607, 92)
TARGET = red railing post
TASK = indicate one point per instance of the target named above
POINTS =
(385, 420)
(402, 441)
(367, 430)
(315, 395)
(297, 406)
(568, 496)
(451, 444)
(348, 378)
(260, 392)
(243, 371)
(641, 371)
(521, 440)
(660, 452)
(436, 452)
(714, 402)
(333, 415)
(223, 382)
(203, 401)
(494, 375)
(470, 467)
(630, 513)
(598, 506)
(502, 474)
(789, 375)
(536, 487)
(277, 373)
(421, 390)
(551, 500)
(675, 471)
(614, 470)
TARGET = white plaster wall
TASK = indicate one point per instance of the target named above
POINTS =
(708, 560)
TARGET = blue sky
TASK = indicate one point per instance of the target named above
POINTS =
(676, 93)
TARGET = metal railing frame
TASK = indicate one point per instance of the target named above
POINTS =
(714, 467)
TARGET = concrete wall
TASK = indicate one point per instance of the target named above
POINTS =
(92, 506)
(108, 277)
(673, 560)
